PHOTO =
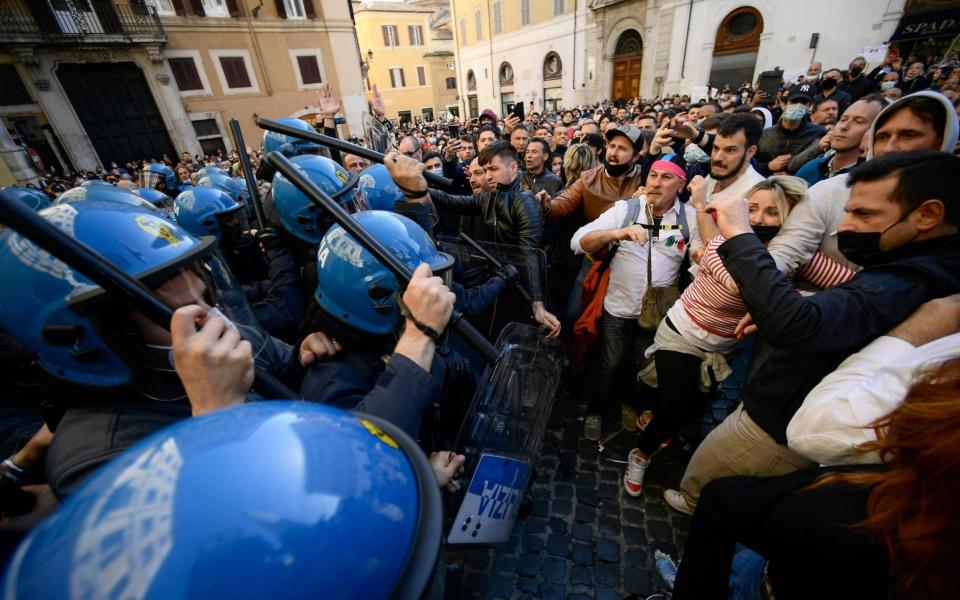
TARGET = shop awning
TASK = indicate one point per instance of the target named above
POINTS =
(942, 23)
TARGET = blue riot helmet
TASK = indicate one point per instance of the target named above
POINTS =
(32, 197)
(243, 502)
(354, 287)
(161, 200)
(298, 214)
(210, 170)
(237, 190)
(106, 193)
(156, 174)
(288, 145)
(379, 187)
(209, 211)
(82, 335)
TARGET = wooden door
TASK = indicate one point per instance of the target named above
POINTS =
(626, 77)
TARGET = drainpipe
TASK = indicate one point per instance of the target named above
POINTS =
(257, 51)
(683, 65)
(573, 75)
(456, 43)
(493, 74)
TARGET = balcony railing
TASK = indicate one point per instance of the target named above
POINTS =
(74, 20)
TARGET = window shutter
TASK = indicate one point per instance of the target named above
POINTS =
(179, 8)
(308, 9)
(309, 69)
(185, 73)
(235, 72)
(386, 36)
(281, 10)
(197, 6)
(233, 9)
(421, 76)
(403, 79)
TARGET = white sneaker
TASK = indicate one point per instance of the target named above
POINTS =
(677, 501)
(633, 478)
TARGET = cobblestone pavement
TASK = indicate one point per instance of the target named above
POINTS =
(586, 538)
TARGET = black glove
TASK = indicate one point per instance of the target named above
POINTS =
(269, 239)
(508, 273)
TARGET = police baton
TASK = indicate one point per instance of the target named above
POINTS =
(489, 257)
(342, 146)
(115, 281)
(457, 322)
(248, 174)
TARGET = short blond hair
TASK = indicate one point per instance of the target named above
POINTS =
(787, 189)
(577, 159)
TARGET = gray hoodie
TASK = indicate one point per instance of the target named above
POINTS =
(812, 224)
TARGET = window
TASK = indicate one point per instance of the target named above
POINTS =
(185, 73)
(214, 8)
(426, 114)
(506, 99)
(396, 77)
(552, 67)
(390, 37)
(12, 90)
(473, 106)
(235, 71)
(471, 81)
(463, 30)
(506, 74)
(524, 12)
(405, 116)
(559, 7)
(552, 99)
(451, 83)
(479, 23)
(164, 7)
(421, 76)
(206, 126)
(294, 9)
(309, 70)
(416, 35)
(497, 18)
(186, 66)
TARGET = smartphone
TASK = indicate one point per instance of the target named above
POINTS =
(770, 83)
(453, 131)
(516, 108)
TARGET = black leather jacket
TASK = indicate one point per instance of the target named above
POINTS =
(510, 215)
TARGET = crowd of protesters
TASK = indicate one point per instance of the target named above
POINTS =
(781, 267)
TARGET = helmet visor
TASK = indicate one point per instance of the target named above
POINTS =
(352, 197)
(150, 179)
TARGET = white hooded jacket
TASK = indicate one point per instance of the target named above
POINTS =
(812, 224)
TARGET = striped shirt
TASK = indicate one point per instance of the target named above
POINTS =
(713, 305)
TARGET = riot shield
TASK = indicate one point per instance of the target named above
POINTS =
(474, 269)
(503, 431)
(378, 137)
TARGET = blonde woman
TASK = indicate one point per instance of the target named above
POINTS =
(578, 158)
(700, 328)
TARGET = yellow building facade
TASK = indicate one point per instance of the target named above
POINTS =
(407, 61)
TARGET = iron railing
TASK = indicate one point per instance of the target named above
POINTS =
(71, 20)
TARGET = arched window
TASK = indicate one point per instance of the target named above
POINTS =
(471, 81)
(735, 48)
(628, 44)
(552, 67)
(506, 74)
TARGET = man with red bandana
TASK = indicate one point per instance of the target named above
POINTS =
(659, 218)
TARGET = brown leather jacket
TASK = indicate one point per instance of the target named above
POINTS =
(595, 191)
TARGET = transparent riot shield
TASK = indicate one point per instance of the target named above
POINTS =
(378, 137)
(503, 431)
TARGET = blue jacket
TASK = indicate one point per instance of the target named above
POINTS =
(278, 302)
(399, 391)
(813, 335)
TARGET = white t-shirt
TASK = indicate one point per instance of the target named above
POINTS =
(628, 269)
(739, 187)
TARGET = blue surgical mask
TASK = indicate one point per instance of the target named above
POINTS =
(887, 85)
(795, 112)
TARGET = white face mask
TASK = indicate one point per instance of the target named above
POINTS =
(435, 169)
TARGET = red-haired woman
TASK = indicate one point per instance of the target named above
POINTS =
(858, 532)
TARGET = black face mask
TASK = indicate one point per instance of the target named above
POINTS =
(855, 71)
(828, 84)
(617, 170)
(863, 248)
(766, 232)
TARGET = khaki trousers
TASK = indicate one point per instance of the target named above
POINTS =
(738, 446)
